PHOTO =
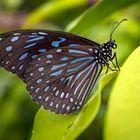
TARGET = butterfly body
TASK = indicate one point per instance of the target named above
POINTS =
(59, 68)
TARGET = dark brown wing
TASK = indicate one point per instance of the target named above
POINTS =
(61, 79)
(19, 48)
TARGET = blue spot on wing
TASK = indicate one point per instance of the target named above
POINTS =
(23, 56)
(64, 58)
(42, 50)
(62, 79)
(34, 56)
(57, 43)
(9, 48)
(15, 38)
(46, 88)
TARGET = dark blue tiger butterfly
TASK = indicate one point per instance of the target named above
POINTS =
(58, 68)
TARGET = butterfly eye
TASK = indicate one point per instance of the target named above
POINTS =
(114, 46)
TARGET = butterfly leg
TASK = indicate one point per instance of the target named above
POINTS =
(108, 67)
(115, 57)
(113, 64)
(106, 70)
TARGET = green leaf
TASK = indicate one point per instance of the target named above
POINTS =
(59, 127)
(51, 8)
(97, 13)
(123, 115)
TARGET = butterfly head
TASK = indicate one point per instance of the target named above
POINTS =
(112, 44)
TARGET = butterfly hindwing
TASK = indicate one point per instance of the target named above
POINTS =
(61, 79)
(19, 48)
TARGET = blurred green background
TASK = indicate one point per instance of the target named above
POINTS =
(89, 18)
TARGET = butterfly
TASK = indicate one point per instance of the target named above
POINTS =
(59, 68)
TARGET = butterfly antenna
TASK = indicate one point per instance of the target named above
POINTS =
(114, 27)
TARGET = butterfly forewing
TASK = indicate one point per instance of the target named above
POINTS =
(59, 68)
(62, 78)
(19, 48)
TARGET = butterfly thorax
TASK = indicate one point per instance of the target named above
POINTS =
(104, 54)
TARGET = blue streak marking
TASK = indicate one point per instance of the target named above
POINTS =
(77, 51)
(84, 71)
(80, 59)
(17, 34)
(71, 45)
(58, 66)
(42, 50)
(57, 43)
(35, 39)
(34, 33)
(42, 33)
(76, 68)
(69, 78)
(64, 58)
(32, 36)
(57, 73)
(30, 45)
